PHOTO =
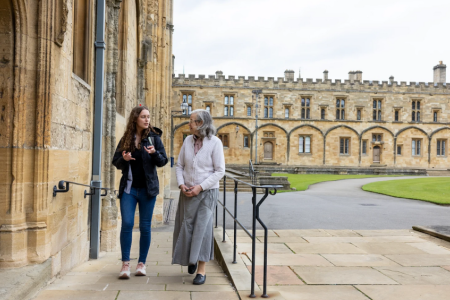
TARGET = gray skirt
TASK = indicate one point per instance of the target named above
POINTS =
(193, 237)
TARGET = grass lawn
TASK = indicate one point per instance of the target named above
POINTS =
(302, 181)
(435, 189)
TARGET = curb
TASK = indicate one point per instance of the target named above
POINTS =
(432, 232)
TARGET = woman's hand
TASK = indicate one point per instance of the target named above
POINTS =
(194, 191)
(184, 189)
(127, 156)
(150, 149)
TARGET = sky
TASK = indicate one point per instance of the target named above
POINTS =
(405, 39)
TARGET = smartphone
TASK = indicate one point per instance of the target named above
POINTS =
(150, 141)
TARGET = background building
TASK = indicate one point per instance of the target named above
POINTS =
(352, 123)
(46, 97)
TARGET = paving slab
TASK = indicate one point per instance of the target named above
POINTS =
(358, 260)
(386, 232)
(282, 240)
(276, 275)
(76, 295)
(321, 292)
(388, 248)
(378, 239)
(272, 248)
(293, 260)
(199, 288)
(154, 295)
(418, 292)
(342, 233)
(342, 275)
(325, 248)
(301, 232)
(214, 295)
(417, 275)
(430, 248)
(421, 260)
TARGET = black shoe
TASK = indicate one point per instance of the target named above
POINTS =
(199, 279)
(192, 268)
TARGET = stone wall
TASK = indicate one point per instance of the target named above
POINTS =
(325, 132)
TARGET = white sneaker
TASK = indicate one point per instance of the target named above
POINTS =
(125, 272)
(140, 270)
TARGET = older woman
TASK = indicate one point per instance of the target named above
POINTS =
(200, 166)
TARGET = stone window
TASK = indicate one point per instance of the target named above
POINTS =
(322, 113)
(435, 116)
(286, 112)
(249, 111)
(441, 147)
(415, 117)
(344, 146)
(187, 98)
(416, 147)
(396, 115)
(358, 114)
(306, 108)
(377, 105)
(269, 134)
(399, 149)
(225, 138)
(268, 107)
(340, 109)
(364, 147)
(229, 105)
(304, 144)
(246, 141)
(377, 137)
(81, 38)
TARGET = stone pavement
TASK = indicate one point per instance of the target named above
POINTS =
(98, 280)
(351, 264)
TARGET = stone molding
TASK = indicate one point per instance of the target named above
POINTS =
(23, 226)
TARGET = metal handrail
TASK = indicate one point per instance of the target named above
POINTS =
(64, 189)
(269, 189)
(252, 173)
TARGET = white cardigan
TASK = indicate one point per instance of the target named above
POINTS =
(204, 169)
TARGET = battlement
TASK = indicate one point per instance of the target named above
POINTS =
(307, 83)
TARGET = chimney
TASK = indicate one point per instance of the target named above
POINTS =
(351, 76)
(218, 73)
(289, 75)
(440, 71)
(391, 80)
(325, 75)
(358, 76)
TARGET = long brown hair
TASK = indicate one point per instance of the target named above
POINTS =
(129, 137)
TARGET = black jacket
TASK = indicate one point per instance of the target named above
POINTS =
(150, 161)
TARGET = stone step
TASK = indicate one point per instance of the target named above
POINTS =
(438, 172)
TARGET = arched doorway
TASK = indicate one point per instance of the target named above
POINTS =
(376, 154)
(268, 150)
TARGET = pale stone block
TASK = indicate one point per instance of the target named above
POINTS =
(272, 248)
(421, 260)
(417, 275)
(342, 275)
(358, 260)
(293, 260)
(325, 248)
(419, 292)
(430, 248)
(343, 233)
(310, 292)
(388, 248)
(276, 275)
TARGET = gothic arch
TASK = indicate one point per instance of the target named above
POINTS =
(377, 126)
(339, 126)
(295, 128)
(410, 127)
(271, 124)
(437, 130)
(179, 126)
(233, 123)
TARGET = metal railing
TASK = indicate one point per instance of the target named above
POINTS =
(63, 187)
(269, 189)
(252, 173)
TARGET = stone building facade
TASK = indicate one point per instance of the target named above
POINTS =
(46, 125)
(349, 123)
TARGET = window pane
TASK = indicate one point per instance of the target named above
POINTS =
(379, 115)
(418, 147)
(271, 101)
(358, 115)
(307, 102)
(418, 104)
(231, 110)
(396, 115)
(337, 102)
(300, 145)
(271, 112)
(225, 140)
(226, 100)
(225, 113)
(439, 148)
(374, 138)
(249, 111)
(418, 116)
(347, 141)
(265, 112)
(245, 141)
(374, 104)
(307, 144)
(303, 113)
(208, 109)
(303, 101)
(307, 113)
(443, 148)
(413, 147)
(379, 104)
(413, 116)
(231, 100)
(414, 105)
(190, 109)
(374, 115)
(342, 103)
(364, 147)
(286, 113)
(435, 117)
(266, 101)
(342, 147)
(399, 150)
(190, 99)
(379, 137)
(343, 115)
(337, 114)
(184, 98)
(322, 114)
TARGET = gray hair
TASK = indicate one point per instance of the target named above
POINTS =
(207, 129)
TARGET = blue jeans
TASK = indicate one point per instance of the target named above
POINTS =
(128, 209)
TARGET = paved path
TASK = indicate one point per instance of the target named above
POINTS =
(351, 264)
(98, 279)
(339, 205)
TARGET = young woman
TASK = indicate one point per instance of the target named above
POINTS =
(138, 154)
(200, 166)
